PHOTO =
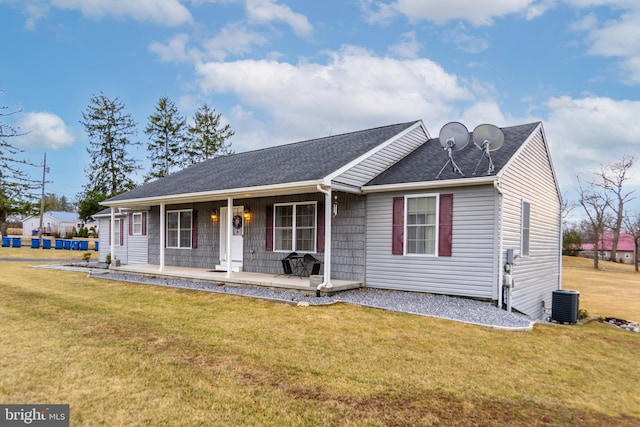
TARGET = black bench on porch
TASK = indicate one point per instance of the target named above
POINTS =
(300, 265)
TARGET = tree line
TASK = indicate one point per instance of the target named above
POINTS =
(172, 144)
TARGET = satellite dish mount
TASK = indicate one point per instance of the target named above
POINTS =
(487, 138)
(454, 136)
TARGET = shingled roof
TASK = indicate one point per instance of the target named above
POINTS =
(425, 163)
(297, 162)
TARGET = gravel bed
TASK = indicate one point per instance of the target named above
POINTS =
(445, 307)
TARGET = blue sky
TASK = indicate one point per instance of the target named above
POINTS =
(284, 71)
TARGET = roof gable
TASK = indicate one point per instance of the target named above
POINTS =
(425, 163)
(302, 161)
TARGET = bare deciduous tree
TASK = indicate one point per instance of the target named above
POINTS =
(595, 201)
(612, 179)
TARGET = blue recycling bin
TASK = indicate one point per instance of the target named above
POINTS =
(59, 244)
(46, 243)
(84, 245)
(67, 244)
(6, 241)
(35, 243)
(75, 245)
(16, 242)
(96, 246)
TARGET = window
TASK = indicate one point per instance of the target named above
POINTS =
(421, 225)
(116, 233)
(525, 234)
(137, 224)
(295, 227)
(179, 229)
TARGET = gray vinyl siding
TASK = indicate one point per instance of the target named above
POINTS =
(104, 239)
(138, 246)
(380, 161)
(205, 255)
(530, 178)
(348, 236)
(469, 272)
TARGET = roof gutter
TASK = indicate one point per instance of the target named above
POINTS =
(207, 196)
(445, 183)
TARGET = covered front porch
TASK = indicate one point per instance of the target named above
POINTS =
(296, 283)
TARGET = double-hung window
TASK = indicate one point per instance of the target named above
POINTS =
(295, 227)
(421, 224)
(116, 232)
(179, 228)
(137, 223)
(525, 234)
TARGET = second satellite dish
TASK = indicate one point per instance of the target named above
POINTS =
(487, 138)
(454, 136)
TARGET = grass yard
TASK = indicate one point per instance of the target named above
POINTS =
(611, 291)
(131, 355)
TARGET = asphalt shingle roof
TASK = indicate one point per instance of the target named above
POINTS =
(425, 162)
(302, 161)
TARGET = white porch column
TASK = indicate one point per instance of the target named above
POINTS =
(162, 235)
(229, 234)
(112, 236)
(328, 216)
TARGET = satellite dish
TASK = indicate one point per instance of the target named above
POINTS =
(487, 138)
(454, 136)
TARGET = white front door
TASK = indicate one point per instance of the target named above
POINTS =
(236, 236)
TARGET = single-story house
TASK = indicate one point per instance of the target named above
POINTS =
(382, 206)
(624, 253)
(55, 223)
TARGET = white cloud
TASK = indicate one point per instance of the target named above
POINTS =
(588, 132)
(265, 11)
(44, 130)
(163, 12)
(617, 38)
(234, 39)
(465, 42)
(409, 47)
(477, 12)
(354, 89)
(175, 50)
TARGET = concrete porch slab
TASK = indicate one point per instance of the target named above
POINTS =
(301, 284)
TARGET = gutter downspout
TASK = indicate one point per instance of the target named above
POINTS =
(496, 185)
(328, 209)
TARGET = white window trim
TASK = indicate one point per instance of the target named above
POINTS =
(522, 228)
(179, 211)
(293, 225)
(133, 224)
(437, 224)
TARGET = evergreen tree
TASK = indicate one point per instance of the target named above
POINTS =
(166, 147)
(16, 188)
(208, 136)
(111, 167)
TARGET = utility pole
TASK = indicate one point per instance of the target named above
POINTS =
(44, 172)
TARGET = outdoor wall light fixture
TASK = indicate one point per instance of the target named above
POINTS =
(247, 214)
(214, 215)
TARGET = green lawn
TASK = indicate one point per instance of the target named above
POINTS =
(128, 354)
